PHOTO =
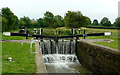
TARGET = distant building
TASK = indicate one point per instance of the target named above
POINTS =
(33, 20)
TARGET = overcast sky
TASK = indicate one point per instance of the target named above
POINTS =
(94, 9)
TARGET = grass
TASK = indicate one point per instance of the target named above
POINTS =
(12, 37)
(24, 60)
(112, 44)
(114, 37)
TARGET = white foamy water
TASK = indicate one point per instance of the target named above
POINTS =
(60, 63)
(60, 57)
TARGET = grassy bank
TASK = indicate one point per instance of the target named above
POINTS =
(24, 61)
(66, 31)
(12, 37)
(114, 44)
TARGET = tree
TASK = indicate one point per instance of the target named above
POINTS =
(10, 21)
(105, 22)
(4, 24)
(25, 21)
(48, 19)
(75, 19)
(59, 21)
(95, 22)
(40, 22)
(117, 22)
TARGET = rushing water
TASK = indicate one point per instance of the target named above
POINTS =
(60, 57)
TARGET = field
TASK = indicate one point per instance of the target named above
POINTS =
(23, 60)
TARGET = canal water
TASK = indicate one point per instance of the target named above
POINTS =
(60, 57)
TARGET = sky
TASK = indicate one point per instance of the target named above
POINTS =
(94, 9)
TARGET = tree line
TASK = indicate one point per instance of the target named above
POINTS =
(72, 19)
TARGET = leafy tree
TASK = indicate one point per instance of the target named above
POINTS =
(40, 22)
(75, 19)
(25, 21)
(34, 24)
(48, 19)
(95, 22)
(86, 21)
(4, 24)
(58, 21)
(117, 22)
(10, 21)
(105, 22)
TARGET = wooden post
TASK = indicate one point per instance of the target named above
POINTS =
(41, 33)
(27, 34)
(56, 45)
(51, 46)
(84, 33)
(79, 31)
(63, 46)
(72, 32)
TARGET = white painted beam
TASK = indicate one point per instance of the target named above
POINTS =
(107, 33)
(6, 33)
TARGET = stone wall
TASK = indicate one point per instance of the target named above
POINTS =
(98, 59)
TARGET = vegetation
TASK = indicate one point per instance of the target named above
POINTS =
(75, 19)
(95, 22)
(114, 36)
(72, 19)
(23, 60)
(117, 22)
(105, 22)
(12, 37)
(9, 20)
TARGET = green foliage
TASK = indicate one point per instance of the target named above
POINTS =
(59, 21)
(105, 22)
(40, 22)
(95, 22)
(25, 21)
(12, 37)
(117, 22)
(75, 19)
(10, 21)
(72, 19)
(48, 19)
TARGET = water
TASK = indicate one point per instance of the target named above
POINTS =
(60, 57)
